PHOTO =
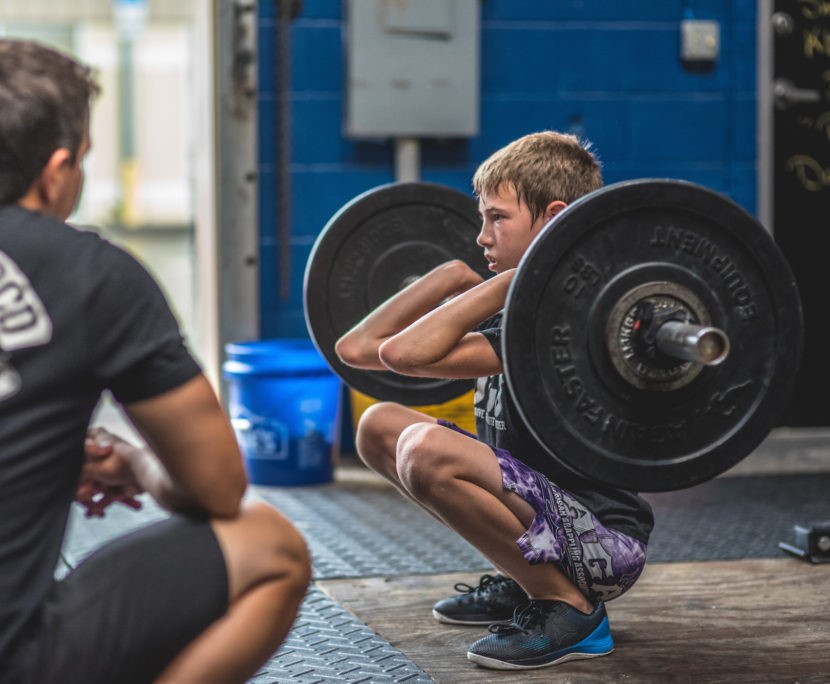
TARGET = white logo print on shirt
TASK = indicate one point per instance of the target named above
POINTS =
(488, 403)
(23, 321)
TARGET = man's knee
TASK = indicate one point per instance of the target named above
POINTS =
(262, 545)
(283, 540)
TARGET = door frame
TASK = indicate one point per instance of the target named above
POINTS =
(765, 131)
(231, 269)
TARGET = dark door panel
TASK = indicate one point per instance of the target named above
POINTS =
(801, 181)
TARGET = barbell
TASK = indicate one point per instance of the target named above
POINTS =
(651, 334)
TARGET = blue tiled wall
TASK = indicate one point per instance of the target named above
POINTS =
(608, 70)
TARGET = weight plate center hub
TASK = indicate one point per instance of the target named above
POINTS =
(631, 335)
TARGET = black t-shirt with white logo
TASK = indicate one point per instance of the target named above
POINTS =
(78, 316)
(499, 424)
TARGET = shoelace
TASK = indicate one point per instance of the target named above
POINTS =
(525, 618)
(484, 582)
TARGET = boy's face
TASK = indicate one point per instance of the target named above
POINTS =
(507, 228)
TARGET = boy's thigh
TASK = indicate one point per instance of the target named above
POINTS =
(131, 607)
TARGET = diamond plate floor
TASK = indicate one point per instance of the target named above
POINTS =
(358, 531)
(355, 530)
(329, 644)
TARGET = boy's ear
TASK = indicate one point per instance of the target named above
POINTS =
(553, 209)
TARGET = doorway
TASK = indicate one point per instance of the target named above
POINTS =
(794, 96)
(150, 177)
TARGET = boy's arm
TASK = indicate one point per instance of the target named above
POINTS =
(359, 347)
(440, 345)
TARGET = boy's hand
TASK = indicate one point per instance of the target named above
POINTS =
(466, 276)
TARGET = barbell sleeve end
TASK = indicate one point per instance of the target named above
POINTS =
(702, 344)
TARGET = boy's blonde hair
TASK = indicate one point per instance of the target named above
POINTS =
(541, 168)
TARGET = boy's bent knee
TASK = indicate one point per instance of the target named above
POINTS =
(422, 459)
(375, 420)
(377, 434)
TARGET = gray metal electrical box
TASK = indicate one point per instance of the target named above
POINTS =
(412, 68)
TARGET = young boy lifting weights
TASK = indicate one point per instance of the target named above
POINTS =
(562, 544)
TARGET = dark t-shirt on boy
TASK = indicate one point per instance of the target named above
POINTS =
(499, 424)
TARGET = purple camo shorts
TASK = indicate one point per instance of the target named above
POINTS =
(601, 561)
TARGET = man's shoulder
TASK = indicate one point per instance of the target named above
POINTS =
(23, 226)
(38, 237)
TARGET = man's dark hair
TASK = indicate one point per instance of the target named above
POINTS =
(45, 98)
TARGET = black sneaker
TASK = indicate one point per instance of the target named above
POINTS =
(544, 633)
(494, 600)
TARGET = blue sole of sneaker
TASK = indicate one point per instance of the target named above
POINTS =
(596, 644)
(484, 622)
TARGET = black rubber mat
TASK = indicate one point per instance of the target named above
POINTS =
(736, 517)
(358, 531)
(355, 532)
(352, 531)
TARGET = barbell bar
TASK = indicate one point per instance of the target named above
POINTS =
(689, 342)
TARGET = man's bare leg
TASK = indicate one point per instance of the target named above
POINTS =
(268, 574)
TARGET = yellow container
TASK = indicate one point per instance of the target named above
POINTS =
(458, 410)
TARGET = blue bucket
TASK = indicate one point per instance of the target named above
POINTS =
(283, 401)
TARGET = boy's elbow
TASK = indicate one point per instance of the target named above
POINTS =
(395, 358)
(348, 352)
(343, 350)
